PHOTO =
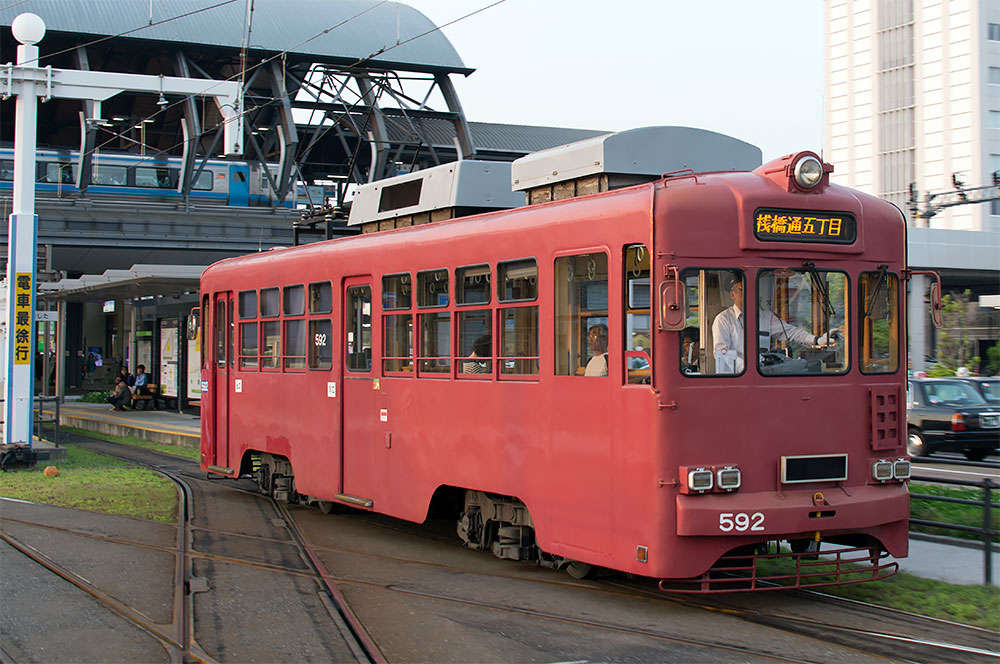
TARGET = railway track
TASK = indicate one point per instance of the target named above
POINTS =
(910, 638)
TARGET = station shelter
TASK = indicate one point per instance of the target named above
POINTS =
(122, 318)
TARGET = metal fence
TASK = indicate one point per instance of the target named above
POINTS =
(987, 486)
(47, 416)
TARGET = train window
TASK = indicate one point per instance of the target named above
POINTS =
(295, 344)
(879, 334)
(472, 285)
(358, 339)
(517, 281)
(713, 341)
(801, 317)
(204, 181)
(320, 298)
(248, 304)
(435, 342)
(396, 291)
(475, 342)
(248, 345)
(6, 170)
(158, 178)
(239, 176)
(221, 329)
(270, 341)
(57, 172)
(397, 338)
(269, 306)
(294, 300)
(581, 315)
(104, 174)
(638, 338)
(432, 288)
(518, 340)
(320, 344)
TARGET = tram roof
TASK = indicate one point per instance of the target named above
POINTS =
(358, 28)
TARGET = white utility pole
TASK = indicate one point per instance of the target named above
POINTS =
(29, 81)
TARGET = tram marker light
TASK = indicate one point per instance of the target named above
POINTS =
(882, 470)
(808, 172)
(901, 469)
(700, 480)
(728, 478)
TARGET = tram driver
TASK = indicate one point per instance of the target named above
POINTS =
(728, 332)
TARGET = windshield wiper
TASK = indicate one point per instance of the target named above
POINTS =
(883, 278)
(821, 287)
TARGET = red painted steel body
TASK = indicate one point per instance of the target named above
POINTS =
(595, 461)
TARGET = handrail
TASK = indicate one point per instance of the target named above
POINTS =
(986, 531)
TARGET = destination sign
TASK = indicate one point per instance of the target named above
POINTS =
(774, 225)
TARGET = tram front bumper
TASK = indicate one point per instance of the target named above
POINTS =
(776, 515)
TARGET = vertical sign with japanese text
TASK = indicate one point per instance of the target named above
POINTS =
(22, 318)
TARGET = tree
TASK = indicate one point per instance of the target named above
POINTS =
(954, 347)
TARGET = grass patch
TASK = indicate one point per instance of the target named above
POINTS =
(135, 441)
(96, 482)
(968, 604)
(964, 515)
(95, 397)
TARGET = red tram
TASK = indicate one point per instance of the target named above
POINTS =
(579, 379)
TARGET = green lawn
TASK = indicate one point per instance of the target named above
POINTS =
(96, 482)
(965, 515)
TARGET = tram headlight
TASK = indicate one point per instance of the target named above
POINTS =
(728, 478)
(882, 470)
(700, 479)
(901, 469)
(808, 172)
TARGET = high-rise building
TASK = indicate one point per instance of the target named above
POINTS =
(913, 96)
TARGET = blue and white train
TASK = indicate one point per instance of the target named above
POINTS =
(124, 176)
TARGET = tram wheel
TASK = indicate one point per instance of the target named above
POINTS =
(325, 506)
(579, 570)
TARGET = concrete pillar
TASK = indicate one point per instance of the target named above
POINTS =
(916, 315)
(61, 349)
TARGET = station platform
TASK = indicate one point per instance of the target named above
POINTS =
(161, 426)
(956, 563)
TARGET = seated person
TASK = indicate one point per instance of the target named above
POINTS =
(481, 347)
(120, 395)
(126, 377)
(141, 380)
(597, 340)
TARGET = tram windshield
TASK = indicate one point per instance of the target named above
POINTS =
(801, 322)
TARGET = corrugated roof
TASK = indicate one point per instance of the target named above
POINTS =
(278, 25)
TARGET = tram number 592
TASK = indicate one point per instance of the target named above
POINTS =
(741, 521)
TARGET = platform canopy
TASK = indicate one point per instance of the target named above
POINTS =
(359, 29)
(138, 281)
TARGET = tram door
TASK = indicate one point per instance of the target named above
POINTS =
(222, 367)
(360, 398)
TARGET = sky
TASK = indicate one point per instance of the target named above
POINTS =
(752, 69)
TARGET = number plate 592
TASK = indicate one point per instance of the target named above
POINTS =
(740, 521)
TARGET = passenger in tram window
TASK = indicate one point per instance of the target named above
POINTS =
(727, 331)
(597, 340)
(689, 350)
(481, 347)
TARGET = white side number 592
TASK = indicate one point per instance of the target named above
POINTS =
(741, 521)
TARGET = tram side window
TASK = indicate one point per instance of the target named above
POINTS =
(294, 300)
(638, 339)
(581, 315)
(713, 341)
(320, 298)
(295, 343)
(247, 309)
(801, 317)
(434, 340)
(879, 299)
(517, 285)
(270, 342)
(320, 344)
(269, 306)
(475, 326)
(397, 336)
(358, 324)
(472, 285)
(396, 291)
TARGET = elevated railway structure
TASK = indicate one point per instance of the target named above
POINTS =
(336, 93)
